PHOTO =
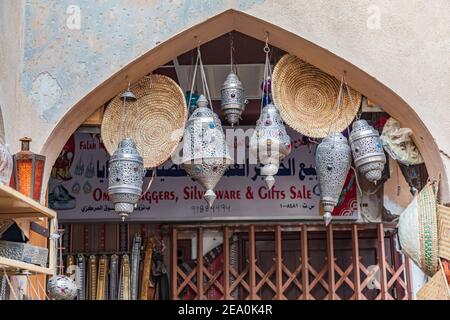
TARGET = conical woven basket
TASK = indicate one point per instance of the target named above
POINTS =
(155, 121)
(444, 231)
(306, 98)
(418, 230)
(435, 289)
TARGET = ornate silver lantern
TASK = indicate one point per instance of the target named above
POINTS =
(333, 161)
(126, 174)
(367, 150)
(61, 287)
(205, 152)
(270, 143)
(232, 98)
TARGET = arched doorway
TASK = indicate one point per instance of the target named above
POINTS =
(233, 20)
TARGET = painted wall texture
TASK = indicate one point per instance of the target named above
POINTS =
(53, 53)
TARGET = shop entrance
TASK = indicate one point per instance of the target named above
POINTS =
(289, 262)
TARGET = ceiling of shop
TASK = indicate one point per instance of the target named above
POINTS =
(249, 57)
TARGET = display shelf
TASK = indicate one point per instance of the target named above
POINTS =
(14, 205)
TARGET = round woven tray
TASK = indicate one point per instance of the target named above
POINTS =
(306, 98)
(155, 121)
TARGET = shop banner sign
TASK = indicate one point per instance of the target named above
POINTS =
(79, 183)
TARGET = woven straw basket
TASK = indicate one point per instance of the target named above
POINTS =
(307, 96)
(435, 289)
(155, 121)
(444, 231)
(418, 230)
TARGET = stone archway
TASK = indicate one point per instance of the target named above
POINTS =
(234, 20)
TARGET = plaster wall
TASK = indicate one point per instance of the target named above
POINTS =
(53, 53)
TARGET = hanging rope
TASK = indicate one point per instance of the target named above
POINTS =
(199, 64)
(122, 114)
(267, 74)
(5, 274)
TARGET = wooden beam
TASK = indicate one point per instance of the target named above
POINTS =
(330, 254)
(252, 261)
(226, 264)
(356, 270)
(200, 293)
(174, 264)
(305, 264)
(382, 261)
(279, 264)
(408, 278)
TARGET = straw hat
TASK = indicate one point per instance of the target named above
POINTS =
(306, 97)
(155, 121)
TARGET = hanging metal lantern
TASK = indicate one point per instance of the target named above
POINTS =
(333, 161)
(270, 143)
(232, 98)
(205, 152)
(61, 287)
(367, 150)
(126, 174)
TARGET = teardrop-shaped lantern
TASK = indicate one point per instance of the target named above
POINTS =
(270, 143)
(205, 152)
(333, 161)
(126, 174)
(367, 150)
(232, 98)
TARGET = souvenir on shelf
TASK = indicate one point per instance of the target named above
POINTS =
(269, 143)
(333, 161)
(306, 98)
(232, 93)
(367, 150)
(205, 152)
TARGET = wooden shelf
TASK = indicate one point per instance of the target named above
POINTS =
(15, 205)
(14, 265)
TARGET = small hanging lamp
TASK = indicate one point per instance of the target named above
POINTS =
(367, 150)
(126, 170)
(270, 142)
(232, 93)
(333, 161)
(205, 152)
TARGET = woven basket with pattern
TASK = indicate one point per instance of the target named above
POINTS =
(444, 231)
(306, 98)
(155, 121)
(435, 289)
(418, 230)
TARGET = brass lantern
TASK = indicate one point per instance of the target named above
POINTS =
(205, 152)
(333, 161)
(28, 171)
(367, 150)
(232, 98)
(126, 170)
(126, 176)
(270, 143)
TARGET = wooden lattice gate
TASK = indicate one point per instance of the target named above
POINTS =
(291, 262)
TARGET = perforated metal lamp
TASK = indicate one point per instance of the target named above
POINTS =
(28, 171)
